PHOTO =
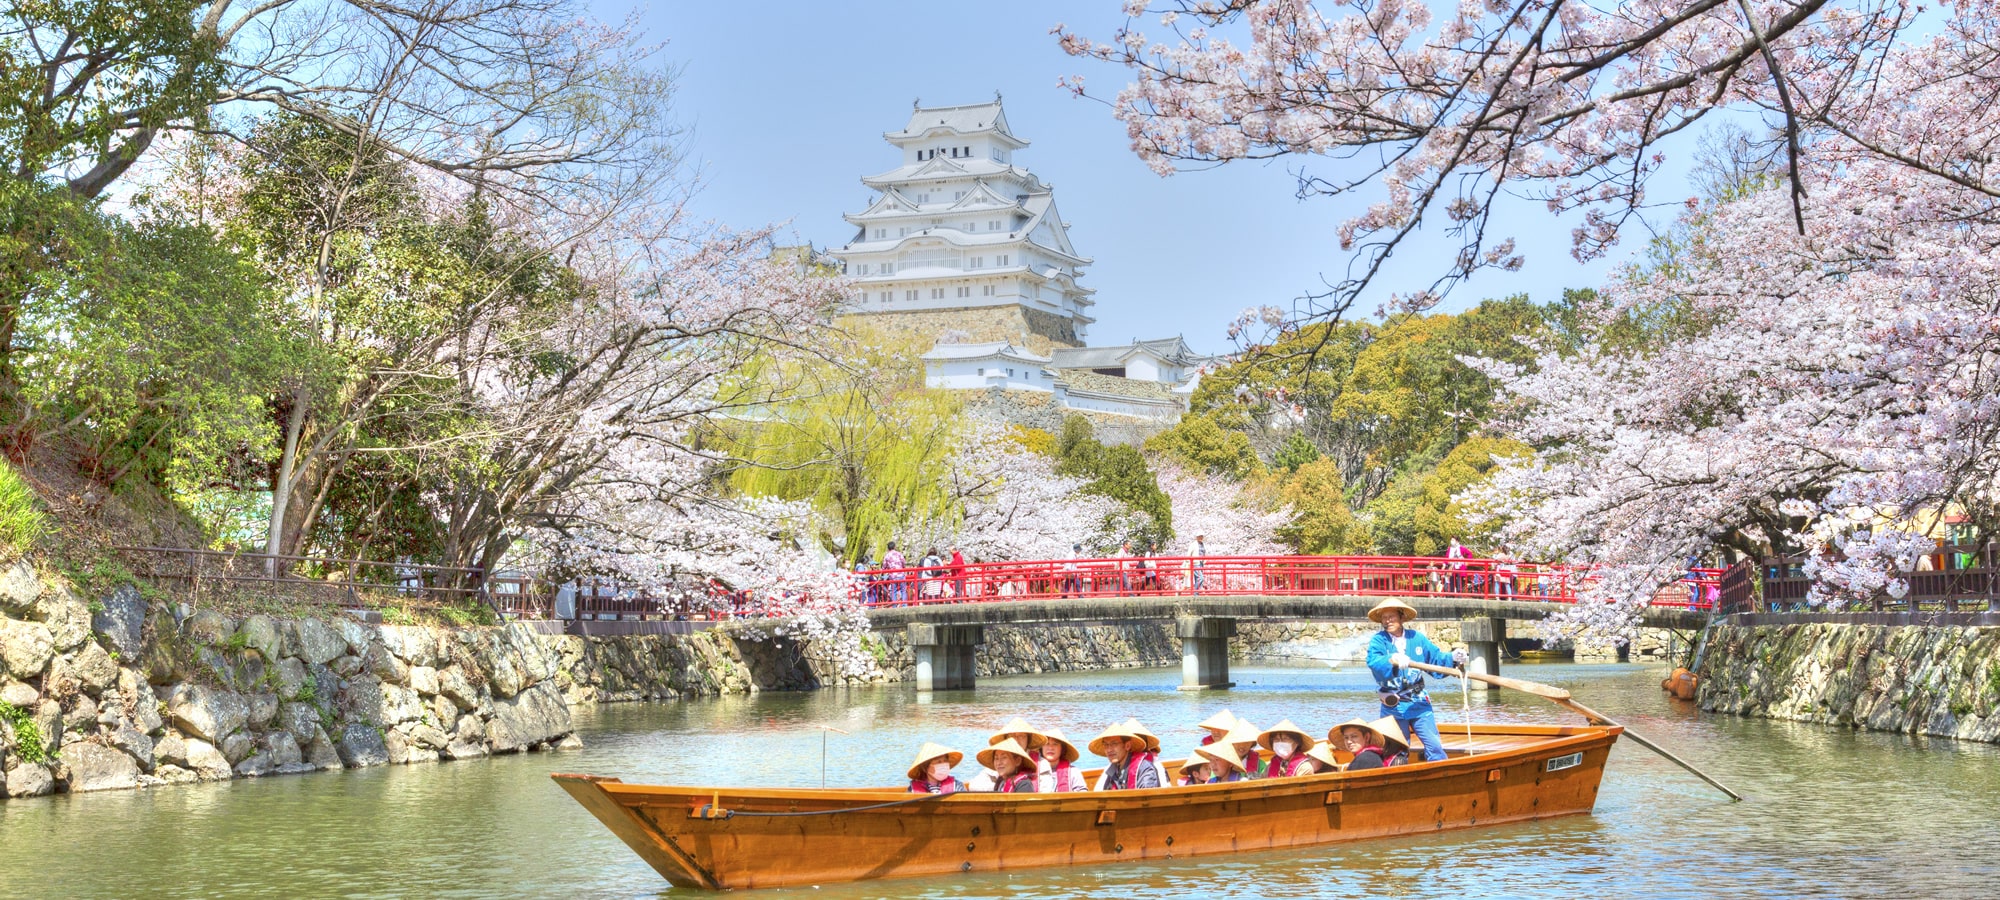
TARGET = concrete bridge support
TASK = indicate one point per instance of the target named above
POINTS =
(945, 655)
(1205, 652)
(1484, 639)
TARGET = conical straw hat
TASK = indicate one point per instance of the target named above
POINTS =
(1069, 753)
(1220, 723)
(930, 751)
(1375, 615)
(1007, 745)
(1223, 754)
(1390, 732)
(1243, 736)
(1333, 734)
(1193, 759)
(1323, 754)
(1115, 732)
(1285, 727)
(1152, 740)
(1018, 726)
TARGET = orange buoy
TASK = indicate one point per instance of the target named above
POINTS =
(1681, 684)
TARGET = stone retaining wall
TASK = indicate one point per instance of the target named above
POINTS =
(131, 693)
(1919, 679)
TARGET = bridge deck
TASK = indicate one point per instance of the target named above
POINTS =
(1284, 607)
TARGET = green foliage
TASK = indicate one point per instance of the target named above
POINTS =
(1296, 451)
(29, 744)
(1438, 516)
(396, 615)
(83, 75)
(22, 521)
(237, 642)
(1198, 443)
(864, 441)
(1120, 473)
(1323, 524)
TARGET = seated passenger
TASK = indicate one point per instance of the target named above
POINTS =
(1396, 744)
(931, 773)
(1288, 744)
(1195, 769)
(1152, 747)
(1013, 769)
(1361, 739)
(1021, 733)
(1217, 726)
(1243, 739)
(1125, 769)
(1054, 772)
(1323, 760)
(1225, 762)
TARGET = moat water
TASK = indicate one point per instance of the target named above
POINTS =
(1830, 812)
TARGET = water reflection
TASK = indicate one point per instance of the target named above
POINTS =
(1831, 813)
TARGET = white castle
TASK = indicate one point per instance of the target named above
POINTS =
(963, 246)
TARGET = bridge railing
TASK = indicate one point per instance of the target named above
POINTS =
(1386, 576)
(1955, 578)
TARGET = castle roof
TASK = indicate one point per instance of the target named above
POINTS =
(974, 118)
(987, 350)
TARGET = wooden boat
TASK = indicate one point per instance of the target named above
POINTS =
(726, 838)
(1546, 655)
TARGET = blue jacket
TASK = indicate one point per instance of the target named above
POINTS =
(1407, 685)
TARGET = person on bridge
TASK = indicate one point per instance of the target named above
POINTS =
(931, 773)
(1013, 769)
(1200, 550)
(1123, 750)
(1057, 774)
(1401, 688)
(1288, 744)
(892, 561)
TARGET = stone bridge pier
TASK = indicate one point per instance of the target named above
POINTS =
(1204, 651)
(1485, 637)
(945, 655)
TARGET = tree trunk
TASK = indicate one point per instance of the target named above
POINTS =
(281, 487)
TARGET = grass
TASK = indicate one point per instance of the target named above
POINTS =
(22, 521)
(28, 741)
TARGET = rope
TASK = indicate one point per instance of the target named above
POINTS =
(1465, 707)
(732, 813)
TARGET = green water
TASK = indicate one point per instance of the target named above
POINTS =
(1831, 813)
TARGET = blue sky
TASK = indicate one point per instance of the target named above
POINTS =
(786, 103)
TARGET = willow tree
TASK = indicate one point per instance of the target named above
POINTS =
(855, 433)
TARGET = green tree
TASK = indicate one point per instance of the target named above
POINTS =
(1323, 524)
(1296, 451)
(1197, 442)
(1119, 473)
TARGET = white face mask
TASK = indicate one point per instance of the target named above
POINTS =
(940, 771)
(1283, 748)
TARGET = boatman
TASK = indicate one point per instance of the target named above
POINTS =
(1401, 688)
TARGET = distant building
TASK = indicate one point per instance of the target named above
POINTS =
(963, 247)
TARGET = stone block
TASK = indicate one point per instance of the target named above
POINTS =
(291, 678)
(93, 669)
(263, 708)
(136, 744)
(20, 588)
(362, 745)
(207, 762)
(534, 716)
(66, 614)
(30, 780)
(262, 634)
(317, 642)
(25, 648)
(19, 693)
(208, 627)
(453, 684)
(96, 767)
(207, 713)
(238, 747)
(122, 621)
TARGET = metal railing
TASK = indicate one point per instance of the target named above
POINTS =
(1381, 576)
(1955, 578)
(353, 582)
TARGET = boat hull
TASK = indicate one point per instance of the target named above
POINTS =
(740, 838)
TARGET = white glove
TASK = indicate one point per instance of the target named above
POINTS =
(1400, 661)
(1458, 657)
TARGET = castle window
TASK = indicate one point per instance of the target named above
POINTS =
(993, 225)
(978, 262)
(987, 291)
(1003, 259)
(909, 295)
(965, 292)
(937, 293)
(888, 295)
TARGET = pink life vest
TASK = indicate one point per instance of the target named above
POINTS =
(921, 786)
(1281, 768)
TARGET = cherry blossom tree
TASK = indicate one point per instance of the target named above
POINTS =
(1835, 382)
(1014, 504)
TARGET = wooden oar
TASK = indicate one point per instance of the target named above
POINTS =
(1561, 698)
